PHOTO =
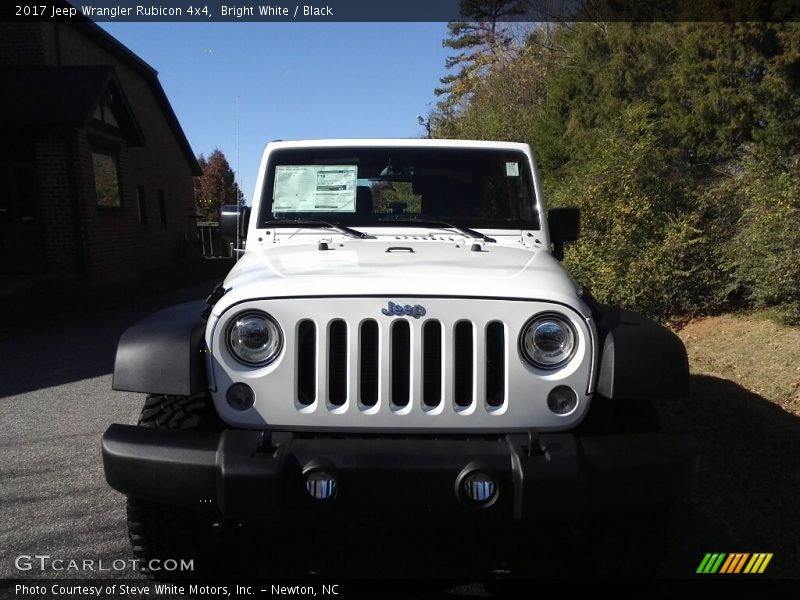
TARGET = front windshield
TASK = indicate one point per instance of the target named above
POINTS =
(369, 186)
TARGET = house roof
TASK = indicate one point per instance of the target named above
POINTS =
(88, 28)
(63, 96)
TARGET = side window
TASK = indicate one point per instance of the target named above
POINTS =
(141, 203)
(106, 179)
(162, 207)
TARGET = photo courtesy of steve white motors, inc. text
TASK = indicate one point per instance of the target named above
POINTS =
(169, 589)
(199, 11)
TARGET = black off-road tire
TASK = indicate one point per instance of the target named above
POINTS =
(158, 532)
(195, 413)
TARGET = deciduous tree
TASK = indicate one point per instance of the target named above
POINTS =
(216, 186)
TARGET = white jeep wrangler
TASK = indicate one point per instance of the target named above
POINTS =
(398, 337)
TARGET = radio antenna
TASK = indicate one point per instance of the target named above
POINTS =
(238, 179)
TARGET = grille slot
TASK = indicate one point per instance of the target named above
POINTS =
(306, 362)
(337, 362)
(370, 361)
(495, 364)
(401, 363)
(432, 363)
(463, 358)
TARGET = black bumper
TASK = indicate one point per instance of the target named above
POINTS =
(250, 474)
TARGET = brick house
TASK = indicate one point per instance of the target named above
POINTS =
(95, 170)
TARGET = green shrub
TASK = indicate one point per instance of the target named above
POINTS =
(764, 254)
(678, 142)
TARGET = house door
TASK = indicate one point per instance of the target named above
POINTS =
(21, 248)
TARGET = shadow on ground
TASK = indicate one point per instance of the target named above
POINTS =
(748, 476)
(744, 500)
(81, 348)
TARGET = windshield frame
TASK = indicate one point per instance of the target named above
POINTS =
(268, 219)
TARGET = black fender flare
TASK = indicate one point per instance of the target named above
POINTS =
(164, 353)
(639, 358)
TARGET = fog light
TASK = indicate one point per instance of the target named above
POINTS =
(320, 485)
(240, 396)
(479, 487)
(562, 400)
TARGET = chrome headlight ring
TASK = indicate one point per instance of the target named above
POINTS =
(548, 341)
(254, 338)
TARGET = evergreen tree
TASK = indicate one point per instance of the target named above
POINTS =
(481, 42)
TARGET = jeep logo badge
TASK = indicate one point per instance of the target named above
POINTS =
(416, 311)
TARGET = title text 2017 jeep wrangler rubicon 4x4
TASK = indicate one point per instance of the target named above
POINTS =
(398, 337)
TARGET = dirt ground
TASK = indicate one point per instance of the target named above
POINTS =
(745, 413)
(754, 352)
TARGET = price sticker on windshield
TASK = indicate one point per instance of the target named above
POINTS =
(315, 188)
(512, 169)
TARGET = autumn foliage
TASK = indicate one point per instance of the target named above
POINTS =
(215, 187)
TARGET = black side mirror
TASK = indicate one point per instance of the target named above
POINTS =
(564, 225)
(231, 215)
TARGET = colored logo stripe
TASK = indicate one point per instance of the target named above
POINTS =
(721, 562)
(758, 563)
(734, 563)
(711, 563)
(728, 562)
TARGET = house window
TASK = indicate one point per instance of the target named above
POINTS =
(142, 204)
(105, 114)
(106, 179)
(162, 207)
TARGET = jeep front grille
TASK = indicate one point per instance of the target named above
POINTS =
(348, 364)
(406, 338)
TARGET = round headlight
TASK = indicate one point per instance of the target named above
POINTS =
(254, 338)
(548, 341)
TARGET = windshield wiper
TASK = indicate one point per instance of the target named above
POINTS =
(319, 223)
(425, 221)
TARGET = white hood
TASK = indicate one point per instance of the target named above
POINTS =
(398, 268)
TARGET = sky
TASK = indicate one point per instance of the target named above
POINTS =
(292, 81)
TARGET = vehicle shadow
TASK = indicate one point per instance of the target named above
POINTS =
(748, 477)
(744, 500)
(80, 349)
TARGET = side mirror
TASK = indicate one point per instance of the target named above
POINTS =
(564, 225)
(231, 215)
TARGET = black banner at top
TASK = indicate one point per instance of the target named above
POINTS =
(200, 11)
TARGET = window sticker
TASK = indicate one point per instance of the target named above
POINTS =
(315, 188)
(512, 169)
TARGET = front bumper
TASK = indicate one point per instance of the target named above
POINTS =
(260, 475)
